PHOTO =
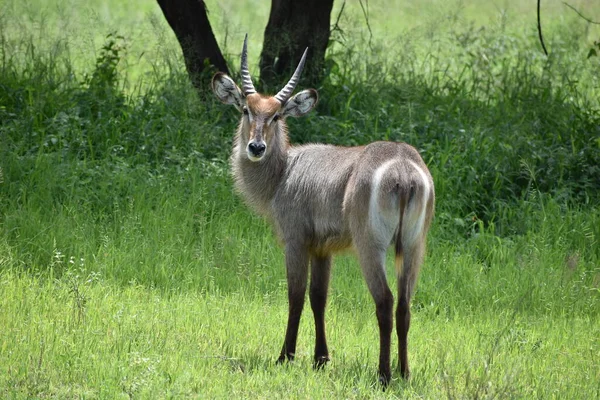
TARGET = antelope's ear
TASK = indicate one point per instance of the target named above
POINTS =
(227, 91)
(301, 103)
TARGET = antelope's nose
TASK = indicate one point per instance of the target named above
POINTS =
(256, 148)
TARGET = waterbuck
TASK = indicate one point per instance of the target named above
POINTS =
(322, 199)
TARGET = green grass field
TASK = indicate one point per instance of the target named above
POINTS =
(129, 268)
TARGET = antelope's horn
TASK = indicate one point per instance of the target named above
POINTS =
(247, 86)
(285, 93)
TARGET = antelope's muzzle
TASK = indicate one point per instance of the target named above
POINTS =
(256, 150)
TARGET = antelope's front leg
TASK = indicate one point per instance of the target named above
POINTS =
(296, 263)
(320, 271)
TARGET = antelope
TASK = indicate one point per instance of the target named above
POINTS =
(322, 199)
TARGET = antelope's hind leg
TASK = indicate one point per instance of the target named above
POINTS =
(320, 272)
(296, 263)
(372, 261)
(409, 263)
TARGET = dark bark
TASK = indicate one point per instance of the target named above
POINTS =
(293, 26)
(189, 21)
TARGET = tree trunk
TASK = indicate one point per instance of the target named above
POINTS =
(189, 21)
(293, 26)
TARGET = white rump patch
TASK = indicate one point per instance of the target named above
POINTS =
(383, 222)
(415, 219)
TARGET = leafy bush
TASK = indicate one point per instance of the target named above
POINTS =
(493, 122)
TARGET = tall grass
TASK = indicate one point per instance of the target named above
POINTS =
(129, 267)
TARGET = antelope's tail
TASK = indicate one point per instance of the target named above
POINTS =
(404, 198)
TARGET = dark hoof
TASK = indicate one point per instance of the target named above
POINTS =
(284, 357)
(384, 379)
(405, 374)
(320, 362)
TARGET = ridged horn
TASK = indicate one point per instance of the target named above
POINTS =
(247, 86)
(285, 93)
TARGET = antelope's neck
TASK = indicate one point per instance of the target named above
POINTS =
(258, 181)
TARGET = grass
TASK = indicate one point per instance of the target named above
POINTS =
(130, 269)
(141, 342)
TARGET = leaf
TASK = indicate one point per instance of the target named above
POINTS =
(592, 53)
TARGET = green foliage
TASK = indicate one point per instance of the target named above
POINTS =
(129, 268)
(593, 52)
(105, 72)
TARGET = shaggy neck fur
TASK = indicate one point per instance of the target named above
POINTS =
(258, 181)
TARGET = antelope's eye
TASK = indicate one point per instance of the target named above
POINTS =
(276, 118)
(245, 110)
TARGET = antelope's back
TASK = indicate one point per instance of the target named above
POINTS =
(309, 202)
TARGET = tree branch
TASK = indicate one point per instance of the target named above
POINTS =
(336, 26)
(540, 28)
(366, 14)
(580, 14)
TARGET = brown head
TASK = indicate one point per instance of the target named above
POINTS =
(263, 116)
